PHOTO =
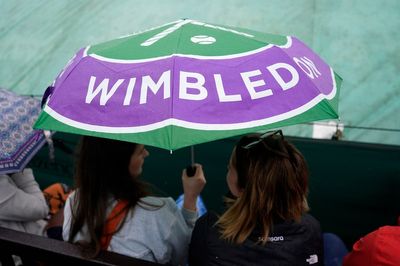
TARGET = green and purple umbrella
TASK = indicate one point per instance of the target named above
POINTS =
(189, 82)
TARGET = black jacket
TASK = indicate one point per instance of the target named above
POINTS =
(290, 243)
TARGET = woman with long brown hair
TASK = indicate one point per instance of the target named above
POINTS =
(111, 209)
(266, 222)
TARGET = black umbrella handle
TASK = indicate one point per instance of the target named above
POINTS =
(190, 170)
(47, 94)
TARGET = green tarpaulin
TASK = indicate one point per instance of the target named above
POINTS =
(358, 38)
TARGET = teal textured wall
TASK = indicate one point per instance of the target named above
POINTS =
(358, 38)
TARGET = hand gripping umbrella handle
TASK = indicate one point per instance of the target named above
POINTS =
(190, 170)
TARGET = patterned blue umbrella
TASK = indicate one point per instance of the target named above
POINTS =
(19, 142)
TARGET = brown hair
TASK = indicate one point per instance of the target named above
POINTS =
(101, 171)
(273, 176)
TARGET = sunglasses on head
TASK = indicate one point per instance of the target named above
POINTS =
(262, 137)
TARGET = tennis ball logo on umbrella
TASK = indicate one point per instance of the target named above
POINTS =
(203, 39)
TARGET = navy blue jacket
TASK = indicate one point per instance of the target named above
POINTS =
(290, 243)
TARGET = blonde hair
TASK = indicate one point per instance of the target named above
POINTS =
(273, 176)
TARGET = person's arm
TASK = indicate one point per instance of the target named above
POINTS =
(27, 202)
(178, 239)
(180, 222)
(192, 187)
(316, 238)
(67, 216)
(198, 246)
(178, 232)
(380, 247)
(360, 251)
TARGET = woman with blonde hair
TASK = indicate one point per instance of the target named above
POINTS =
(267, 222)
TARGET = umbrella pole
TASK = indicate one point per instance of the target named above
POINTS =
(192, 154)
(191, 169)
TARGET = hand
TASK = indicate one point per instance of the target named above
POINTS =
(192, 187)
(56, 219)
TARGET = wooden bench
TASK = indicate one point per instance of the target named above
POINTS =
(33, 248)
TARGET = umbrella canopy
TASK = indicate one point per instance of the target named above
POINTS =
(189, 82)
(19, 142)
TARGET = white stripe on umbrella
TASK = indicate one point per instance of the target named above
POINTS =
(191, 125)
